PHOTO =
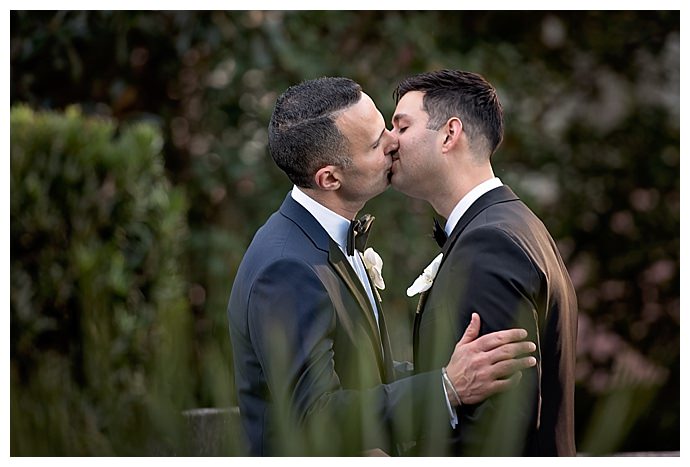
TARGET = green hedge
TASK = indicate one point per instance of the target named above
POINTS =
(100, 326)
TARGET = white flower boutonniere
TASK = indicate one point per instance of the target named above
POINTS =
(374, 264)
(424, 281)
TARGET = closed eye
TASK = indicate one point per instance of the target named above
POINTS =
(377, 143)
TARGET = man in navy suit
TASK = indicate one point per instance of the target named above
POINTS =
(312, 359)
(498, 260)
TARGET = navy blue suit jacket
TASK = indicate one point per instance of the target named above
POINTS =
(501, 262)
(313, 374)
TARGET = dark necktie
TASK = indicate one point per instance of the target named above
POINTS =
(440, 235)
(358, 233)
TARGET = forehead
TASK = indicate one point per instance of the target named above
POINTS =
(360, 120)
(410, 105)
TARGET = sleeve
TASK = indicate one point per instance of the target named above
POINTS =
(503, 286)
(292, 323)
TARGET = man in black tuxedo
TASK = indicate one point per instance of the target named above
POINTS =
(497, 259)
(312, 360)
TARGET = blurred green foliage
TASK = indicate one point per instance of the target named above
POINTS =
(100, 326)
(592, 145)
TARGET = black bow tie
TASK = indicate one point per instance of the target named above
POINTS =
(358, 233)
(440, 235)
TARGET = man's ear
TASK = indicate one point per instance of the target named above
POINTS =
(452, 131)
(327, 178)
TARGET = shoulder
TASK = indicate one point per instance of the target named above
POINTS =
(280, 240)
(289, 291)
(287, 265)
(495, 245)
(489, 234)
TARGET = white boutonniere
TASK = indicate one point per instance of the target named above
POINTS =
(424, 281)
(374, 264)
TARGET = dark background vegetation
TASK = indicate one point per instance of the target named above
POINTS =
(592, 144)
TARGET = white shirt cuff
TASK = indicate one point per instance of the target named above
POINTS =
(451, 410)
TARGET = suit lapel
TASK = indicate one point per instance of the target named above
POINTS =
(383, 334)
(387, 352)
(417, 321)
(342, 266)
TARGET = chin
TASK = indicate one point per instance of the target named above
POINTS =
(395, 183)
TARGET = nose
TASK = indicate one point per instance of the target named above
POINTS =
(392, 143)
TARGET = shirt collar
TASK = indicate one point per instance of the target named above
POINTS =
(467, 200)
(334, 224)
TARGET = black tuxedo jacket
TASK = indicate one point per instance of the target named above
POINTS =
(501, 262)
(312, 372)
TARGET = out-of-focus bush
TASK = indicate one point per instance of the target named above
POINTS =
(100, 325)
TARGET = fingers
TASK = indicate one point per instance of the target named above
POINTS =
(498, 338)
(512, 350)
(482, 366)
(505, 384)
(476, 392)
(472, 330)
(506, 368)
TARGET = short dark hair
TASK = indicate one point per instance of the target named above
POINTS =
(302, 134)
(462, 94)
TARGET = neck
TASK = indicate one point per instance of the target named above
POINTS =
(444, 201)
(335, 203)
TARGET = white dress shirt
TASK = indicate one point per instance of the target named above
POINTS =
(467, 201)
(337, 227)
